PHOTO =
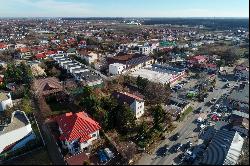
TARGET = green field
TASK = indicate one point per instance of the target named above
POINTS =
(183, 115)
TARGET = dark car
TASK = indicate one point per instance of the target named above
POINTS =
(198, 110)
(211, 89)
(201, 99)
(161, 152)
(181, 157)
(224, 79)
(174, 89)
(227, 85)
(176, 136)
(188, 144)
(205, 95)
(166, 147)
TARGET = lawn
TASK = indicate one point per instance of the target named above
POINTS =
(183, 115)
(37, 157)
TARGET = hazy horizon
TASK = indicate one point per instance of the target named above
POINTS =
(128, 8)
(137, 17)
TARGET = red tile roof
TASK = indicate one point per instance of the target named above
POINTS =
(40, 55)
(126, 97)
(2, 45)
(76, 126)
(210, 65)
(199, 57)
(77, 159)
(24, 50)
(71, 40)
(50, 52)
(132, 95)
(1, 79)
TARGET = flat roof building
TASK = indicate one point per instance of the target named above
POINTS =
(224, 149)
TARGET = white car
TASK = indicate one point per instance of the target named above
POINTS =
(109, 153)
(217, 106)
(199, 120)
(215, 113)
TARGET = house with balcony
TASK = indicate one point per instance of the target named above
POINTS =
(145, 49)
(25, 53)
(89, 57)
(78, 131)
(116, 68)
(135, 102)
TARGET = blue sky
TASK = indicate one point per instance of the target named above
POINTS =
(124, 8)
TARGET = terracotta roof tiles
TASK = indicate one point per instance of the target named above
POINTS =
(76, 126)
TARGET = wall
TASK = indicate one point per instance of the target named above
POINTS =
(83, 145)
(89, 142)
(137, 108)
(24, 141)
(114, 70)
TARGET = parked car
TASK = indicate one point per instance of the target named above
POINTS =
(181, 157)
(205, 95)
(174, 89)
(227, 85)
(224, 79)
(178, 86)
(176, 136)
(161, 152)
(201, 99)
(141, 149)
(166, 147)
(217, 106)
(109, 153)
(187, 145)
(103, 158)
(211, 89)
(178, 146)
(185, 81)
(213, 101)
(199, 110)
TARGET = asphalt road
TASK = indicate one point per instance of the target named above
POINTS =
(185, 128)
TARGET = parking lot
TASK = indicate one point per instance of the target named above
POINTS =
(189, 129)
